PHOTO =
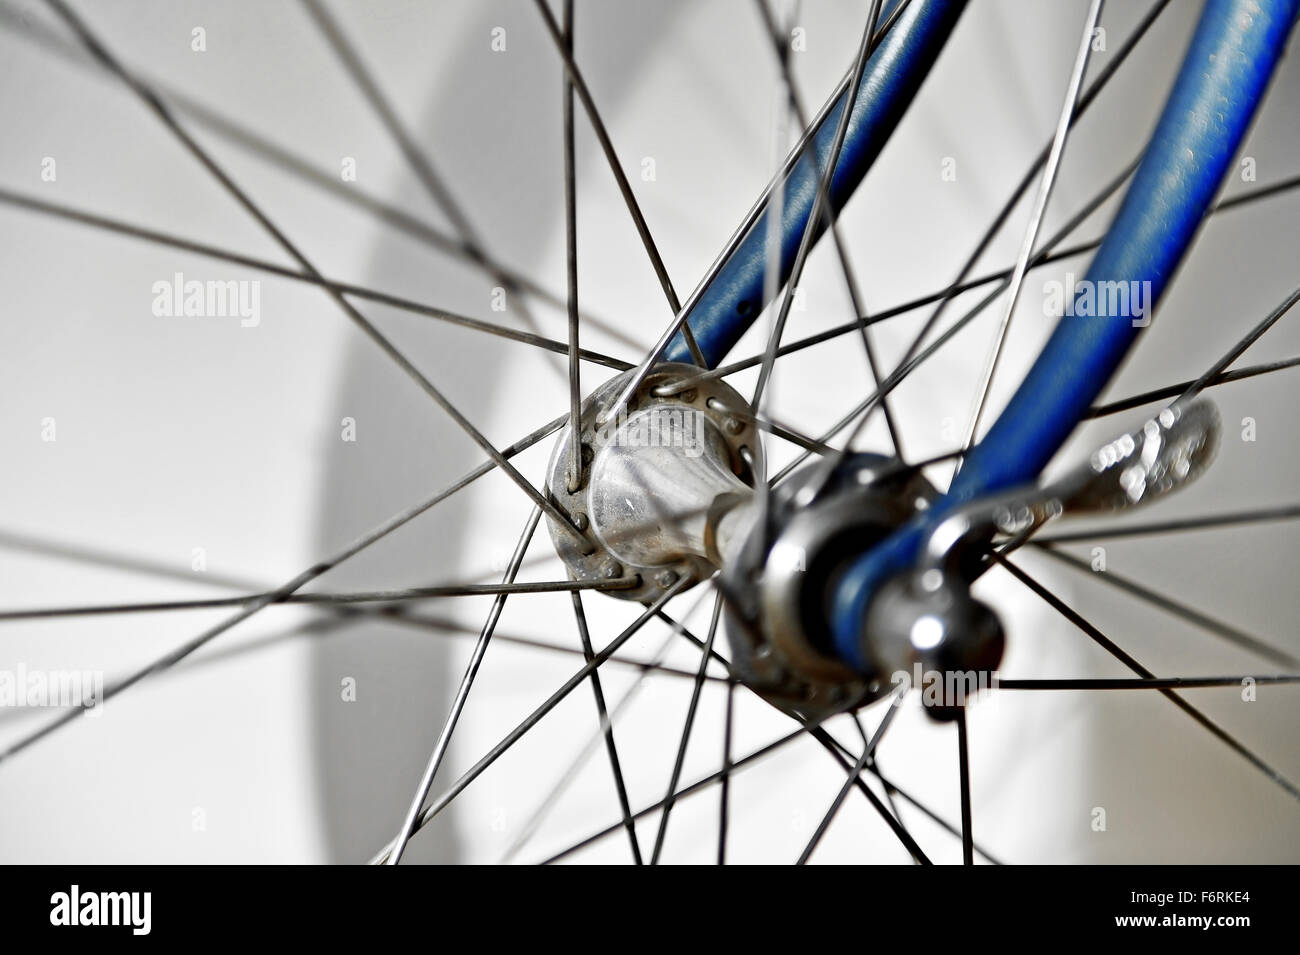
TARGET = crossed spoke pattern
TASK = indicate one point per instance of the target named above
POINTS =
(859, 764)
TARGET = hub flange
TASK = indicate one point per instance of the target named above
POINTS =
(661, 483)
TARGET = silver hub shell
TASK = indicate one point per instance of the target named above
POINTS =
(663, 483)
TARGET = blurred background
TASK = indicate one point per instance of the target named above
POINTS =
(151, 457)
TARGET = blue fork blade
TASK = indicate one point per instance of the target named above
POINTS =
(895, 71)
(1232, 56)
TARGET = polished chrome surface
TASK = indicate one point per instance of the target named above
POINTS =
(779, 581)
(926, 622)
(666, 482)
(1166, 453)
(927, 616)
(654, 489)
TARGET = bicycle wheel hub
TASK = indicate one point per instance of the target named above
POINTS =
(782, 580)
(662, 486)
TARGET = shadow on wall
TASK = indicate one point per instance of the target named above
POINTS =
(371, 752)
(1167, 785)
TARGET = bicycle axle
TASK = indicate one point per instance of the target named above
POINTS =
(664, 489)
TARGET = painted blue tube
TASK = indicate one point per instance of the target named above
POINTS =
(734, 299)
(1233, 53)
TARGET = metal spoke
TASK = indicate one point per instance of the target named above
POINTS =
(774, 215)
(365, 596)
(775, 428)
(1236, 351)
(824, 739)
(336, 601)
(868, 750)
(344, 616)
(170, 659)
(963, 769)
(905, 837)
(855, 764)
(1143, 683)
(620, 784)
(930, 814)
(155, 105)
(1203, 522)
(1039, 208)
(782, 52)
(874, 764)
(680, 629)
(891, 790)
(120, 227)
(821, 208)
(416, 158)
(571, 275)
(579, 86)
(1173, 391)
(604, 727)
(317, 628)
(854, 774)
(115, 560)
(809, 727)
(719, 776)
(865, 738)
(1094, 88)
(959, 288)
(1226, 631)
(679, 322)
(532, 719)
(571, 772)
(462, 692)
(688, 790)
(839, 331)
(686, 731)
(302, 169)
(1257, 193)
(1114, 650)
(724, 793)
(858, 416)
(455, 628)
(147, 567)
(913, 356)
